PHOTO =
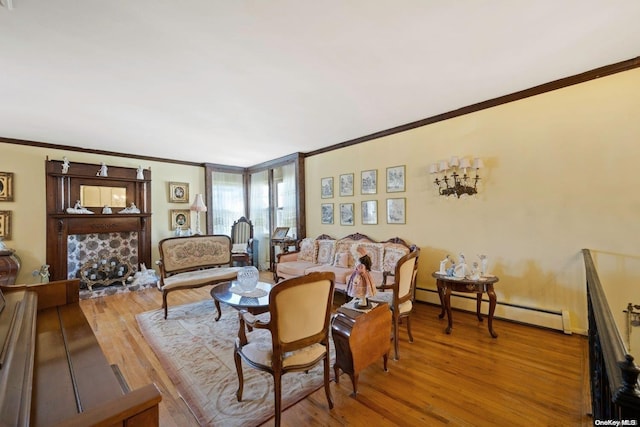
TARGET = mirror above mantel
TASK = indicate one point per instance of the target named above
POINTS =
(92, 196)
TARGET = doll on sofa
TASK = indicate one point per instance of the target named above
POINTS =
(360, 284)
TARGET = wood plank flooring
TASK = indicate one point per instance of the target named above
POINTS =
(527, 376)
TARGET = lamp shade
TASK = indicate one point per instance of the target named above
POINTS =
(433, 168)
(444, 166)
(198, 204)
(477, 163)
(465, 163)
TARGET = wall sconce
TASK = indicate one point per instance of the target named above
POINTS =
(454, 180)
(198, 206)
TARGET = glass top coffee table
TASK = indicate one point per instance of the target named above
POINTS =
(255, 302)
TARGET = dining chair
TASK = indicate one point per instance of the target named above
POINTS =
(242, 242)
(298, 338)
(400, 294)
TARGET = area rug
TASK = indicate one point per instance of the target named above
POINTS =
(197, 353)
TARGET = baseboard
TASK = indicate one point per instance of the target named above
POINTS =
(558, 320)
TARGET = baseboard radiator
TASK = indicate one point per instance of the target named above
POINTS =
(559, 320)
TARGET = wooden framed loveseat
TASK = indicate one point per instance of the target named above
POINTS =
(193, 262)
(325, 253)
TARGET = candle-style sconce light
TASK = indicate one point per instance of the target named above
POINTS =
(453, 177)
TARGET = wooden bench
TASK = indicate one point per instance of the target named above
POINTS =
(193, 262)
(52, 369)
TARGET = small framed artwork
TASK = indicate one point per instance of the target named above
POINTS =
(178, 192)
(369, 182)
(346, 185)
(326, 213)
(395, 179)
(396, 209)
(180, 218)
(280, 233)
(370, 212)
(6, 187)
(5, 225)
(326, 188)
(346, 214)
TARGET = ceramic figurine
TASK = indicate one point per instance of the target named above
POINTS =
(139, 173)
(103, 170)
(443, 265)
(65, 165)
(106, 209)
(483, 264)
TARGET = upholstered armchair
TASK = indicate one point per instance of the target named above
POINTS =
(242, 249)
(400, 294)
(295, 338)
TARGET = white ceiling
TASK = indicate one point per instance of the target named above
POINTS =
(240, 82)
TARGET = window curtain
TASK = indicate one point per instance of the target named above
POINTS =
(259, 215)
(228, 201)
(288, 213)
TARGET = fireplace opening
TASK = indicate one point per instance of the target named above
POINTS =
(102, 260)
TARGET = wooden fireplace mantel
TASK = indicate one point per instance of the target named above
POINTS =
(63, 190)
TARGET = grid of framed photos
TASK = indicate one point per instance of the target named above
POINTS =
(395, 207)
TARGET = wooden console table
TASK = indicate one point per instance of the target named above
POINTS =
(446, 284)
(360, 339)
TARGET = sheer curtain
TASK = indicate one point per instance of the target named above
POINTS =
(288, 199)
(228, 200)
(259, 215)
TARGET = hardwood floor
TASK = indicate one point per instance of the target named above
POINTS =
(527, 376)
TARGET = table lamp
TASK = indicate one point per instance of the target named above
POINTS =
(198, 206)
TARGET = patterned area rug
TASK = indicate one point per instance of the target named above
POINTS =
(197, 353)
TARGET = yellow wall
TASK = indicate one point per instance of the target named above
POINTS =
(561, 175)
(29, 208)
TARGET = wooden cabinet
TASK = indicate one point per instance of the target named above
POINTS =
(360, 339)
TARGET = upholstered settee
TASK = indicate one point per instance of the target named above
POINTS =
(193, 262)
(339, 256)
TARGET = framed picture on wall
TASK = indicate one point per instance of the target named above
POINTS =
(180, 218)
(326, 188)
(346, 214)
(395, 179)
(6, 187)
(178, 192)
(5, 225)
(346, 184)
(326, 213)
(396, 209)
(369, 212)
(369, 182)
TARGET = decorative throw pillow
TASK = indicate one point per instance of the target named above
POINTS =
(374, 250)
(344, 247)
(392, 253)
(342, 260)
(326, 250)
(307, 249)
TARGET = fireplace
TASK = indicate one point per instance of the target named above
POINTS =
(102, 259)
(117, 243)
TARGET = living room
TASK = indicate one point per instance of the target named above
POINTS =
(558, 168)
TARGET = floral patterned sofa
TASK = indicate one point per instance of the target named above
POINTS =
(339, 256)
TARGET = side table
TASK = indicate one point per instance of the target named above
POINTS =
(446, 284)
(360, 339)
